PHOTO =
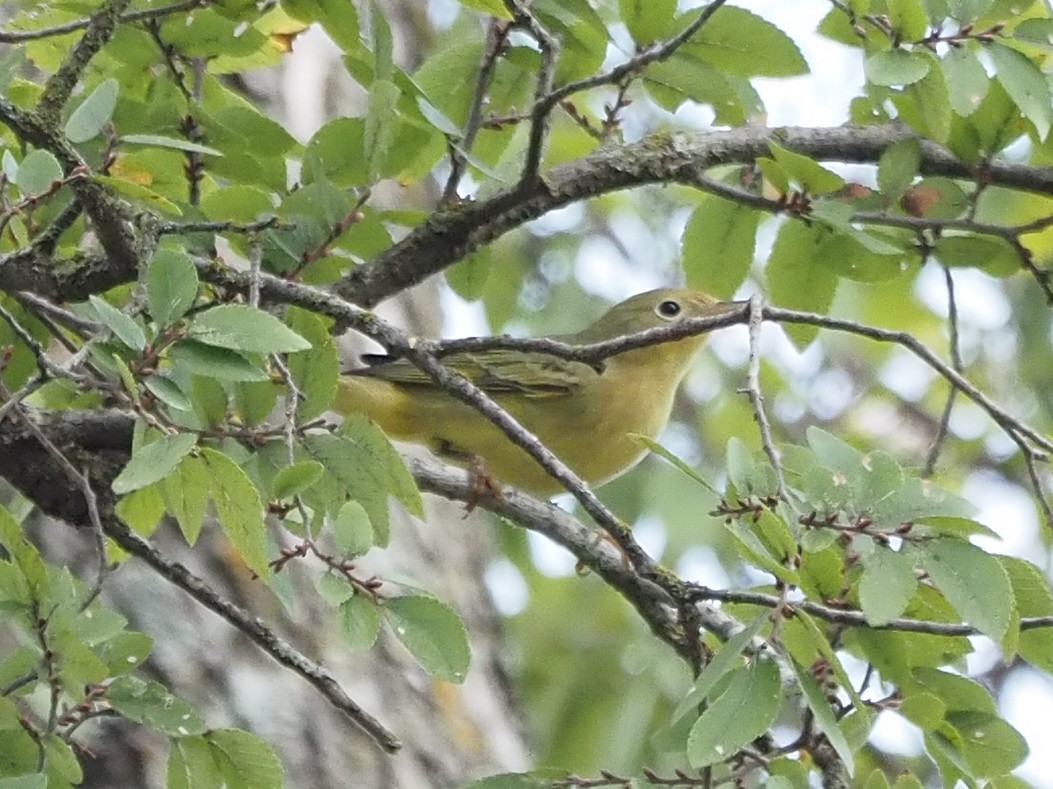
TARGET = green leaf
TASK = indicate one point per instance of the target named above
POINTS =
(125, 652)
(239, 203)
(239, 327)
(295, 479)
(1033, 597)
(379, 131)
(1025, 83)
(544, 778)
(338, 17)
(390, 467)
(37, 172)
(358, 622)
(974, 582)
(925, 710)
(858, 255)
(238, 509)
(824, 716)
(153, 462)
(745, 710)
(150, 704)
(191, 765)
(171, 285)
(960, 694)
(139, 194)
(254, 401)
(142, 509)
(333, 588)
(315, 371)
(896, 67)
(334, 154)
(91, 117)
(812, 176)
(718, 245)
(245, 760)
(647, 20)
(582, 32)
(967, 81)
(966, 11)
(887, 585)
(433, 632)
(211, 362)
(897, 169)
(26, 556)
(932, 103)
(62, 763)
(722, 663)
(742, 43)
(665, 454)
(186, 494)
(683, 78)
(991, 746)
(123, 327)
(168, 392)
(909, 19)
(380, 32)
(492, 7)
(159, 141)
(988, 253)
(795, 281)
(352, 530)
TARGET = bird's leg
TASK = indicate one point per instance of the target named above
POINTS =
(481, 484)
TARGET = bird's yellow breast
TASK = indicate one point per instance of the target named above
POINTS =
(587, 428)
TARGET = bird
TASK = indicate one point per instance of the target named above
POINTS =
(584, 414)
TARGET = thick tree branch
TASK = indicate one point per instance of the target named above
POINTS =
(682, 157)
(449, 235)
(60, 85)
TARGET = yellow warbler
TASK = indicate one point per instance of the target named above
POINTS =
(583, 415)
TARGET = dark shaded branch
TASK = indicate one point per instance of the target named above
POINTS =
(101, 441)
(449, 235)
(111, 220)
(99, 30)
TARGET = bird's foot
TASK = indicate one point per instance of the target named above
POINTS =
(481, 485)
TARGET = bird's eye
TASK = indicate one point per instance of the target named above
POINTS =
(668, 309)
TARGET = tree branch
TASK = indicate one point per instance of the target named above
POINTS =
(682, 157)
(101, 441)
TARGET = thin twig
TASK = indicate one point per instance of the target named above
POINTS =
(956, 363)
(653, 54)
(81, 481)
(1040, 489)
(1015, 428)
(19, 36)
(496, 35)
(756, 398)
(104, 566)
(850, 618)
(541, 112)
(255, 630)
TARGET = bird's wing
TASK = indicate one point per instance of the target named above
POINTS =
(531, 374)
